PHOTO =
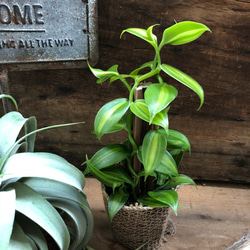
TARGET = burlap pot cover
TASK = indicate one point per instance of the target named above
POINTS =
(136, 226)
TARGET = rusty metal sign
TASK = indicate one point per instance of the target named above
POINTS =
(47, 33)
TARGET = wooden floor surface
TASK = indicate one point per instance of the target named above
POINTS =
(214, 217)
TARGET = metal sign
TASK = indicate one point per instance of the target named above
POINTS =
(47, 33)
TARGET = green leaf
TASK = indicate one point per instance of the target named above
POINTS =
(108, 156)
(145, 65)
(30, 126)
(11, 98)
(122, 124)
(15, 146)
(10, 126)
(161, 178)
(146, 35)
(184, 79)
(161, 119)
(104, 75)
(177, 140)
(180, 180)
(158, 97)
(119, 173)
(168, 197)
(116, 201)
(105, 179)
(150, 202)
(42, 212)
(109, 115)
(153, 149)
(73, 210)
(45, 165)
(18, 239)
(32, 231)
(177, 155)
(7, 211)
(140, 109)
(183, 32)
(64, 196)
(167, 165)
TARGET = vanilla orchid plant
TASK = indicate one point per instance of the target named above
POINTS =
(161, 150)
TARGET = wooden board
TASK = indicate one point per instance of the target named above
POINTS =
(214, 217)
(219, 133)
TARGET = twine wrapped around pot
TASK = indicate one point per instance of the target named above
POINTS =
(136, 226)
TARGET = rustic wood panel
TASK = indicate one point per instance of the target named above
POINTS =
(219, 133)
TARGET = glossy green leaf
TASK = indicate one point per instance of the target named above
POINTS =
(116, 201)
(161, 178)
(177, 140)
(146, 35)
(121, 124)
(167, 165)
(150, 202)
(177, 155)
(158, 97)
(183, 32)
(104, 75)
(184, 79)
(140, 109)
(108, 156)
(143, 66)
(153, 149)
(168, 197)
(180, 180)
(105, 178)
(7, 211)
(109, 115)
(119, 173)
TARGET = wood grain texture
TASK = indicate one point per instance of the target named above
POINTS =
(214, 217)
(219, 133)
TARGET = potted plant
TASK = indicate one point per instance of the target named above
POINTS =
(143, 171)
(41, 194)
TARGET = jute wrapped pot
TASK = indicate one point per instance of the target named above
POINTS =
(136, 226)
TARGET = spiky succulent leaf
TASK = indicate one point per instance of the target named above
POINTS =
(42, 212)
(67, 198)
(43, 165)
(7, 211)
(2, 96)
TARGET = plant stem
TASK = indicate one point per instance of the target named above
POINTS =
(123, 80)
(129, 130)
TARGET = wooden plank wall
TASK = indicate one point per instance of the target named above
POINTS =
(219, 133)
